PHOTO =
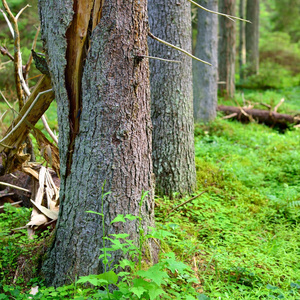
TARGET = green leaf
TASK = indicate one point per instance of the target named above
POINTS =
(174, 265)
(125, 262)
(119, 236)
(139, 291)
(131, 217)
(90, 278)
(111, 277)
(155, 274)
(153, 290)
(118, 218)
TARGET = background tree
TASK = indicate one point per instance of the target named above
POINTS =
(242, 39)
(286, 17)
(252, 37)
(172, 99)
(205, 78)
(103, 99)
(226, 49)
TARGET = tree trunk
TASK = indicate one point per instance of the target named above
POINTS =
(104, 124)
(252, 37)
(242, 40)
(172, 99)
(205, 78)
(226, 53)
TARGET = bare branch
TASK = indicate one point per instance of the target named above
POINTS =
(25, 115)
(19, 13)
(158, 58)
(8, 23)
(48, 129)
(14, 187)
(177, 48)
(277, 106)
(29, 61)
(4, 51)
(232, 18)
(17, 55)
(185, 202)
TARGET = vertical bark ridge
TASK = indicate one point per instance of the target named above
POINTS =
(226, 49)
(252, 38)
(172, 99)
(77, 36)
(113, 145)
(205, 78)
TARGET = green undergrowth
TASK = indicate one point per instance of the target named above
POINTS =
(242, 235)
(239, 240)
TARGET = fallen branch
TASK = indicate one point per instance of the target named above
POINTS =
(185, 202)
(267, 117)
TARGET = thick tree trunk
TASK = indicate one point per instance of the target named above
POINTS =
(205, 78)
(104, 123)
(226, 53)
(172, 99)
(252, 37)
(242, 40)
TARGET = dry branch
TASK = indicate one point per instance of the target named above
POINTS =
(32, 111)
(269, 118)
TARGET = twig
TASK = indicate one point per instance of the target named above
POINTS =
(158, 58)
(8, 23)
(177, 48)
(229, 116)
(277, 106)
(185, 202)
(25, 115)
(8, 104)
(266, 105)
(17, 55)
(14, 203)
(20, 12)
(48, 129)
(220, 14)
(14, 186)
(29, 61)
(4, 51)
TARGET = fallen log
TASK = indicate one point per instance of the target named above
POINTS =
(270, 118)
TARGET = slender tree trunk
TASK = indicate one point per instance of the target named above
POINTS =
(226, 49)
(171, 95)
(252, 37)
(242, 40)
(104, 124)
(205, 78)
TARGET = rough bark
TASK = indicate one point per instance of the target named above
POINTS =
(252, 37)
(104, 126)
(205, 78)
(172, 99)
(242, 40)
(226, 49)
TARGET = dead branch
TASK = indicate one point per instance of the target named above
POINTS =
(37, 103)
(185, 202)
(4, 51)
(232, 18)
(177, 48)
(267, 117)
(29, 61)
(19, 80)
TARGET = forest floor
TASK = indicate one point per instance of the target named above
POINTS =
(241, 237)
